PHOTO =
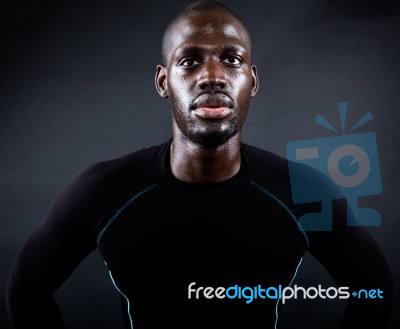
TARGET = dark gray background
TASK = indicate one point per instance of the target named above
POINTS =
(76, 87)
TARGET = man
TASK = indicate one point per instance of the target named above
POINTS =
(201, 210)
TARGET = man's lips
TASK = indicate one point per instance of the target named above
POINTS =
(213, 112)
(213, 106)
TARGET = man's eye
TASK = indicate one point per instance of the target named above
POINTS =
(232, 60)
(189, 62)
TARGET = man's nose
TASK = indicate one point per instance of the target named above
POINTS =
(212, 75)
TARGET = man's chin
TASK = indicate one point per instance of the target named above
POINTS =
(212, 139)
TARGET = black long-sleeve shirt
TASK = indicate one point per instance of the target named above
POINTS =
(157, 235)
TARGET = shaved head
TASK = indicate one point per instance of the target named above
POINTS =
(196, 7)
(208, 74)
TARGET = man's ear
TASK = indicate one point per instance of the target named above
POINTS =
(161, 81)
(255, 81)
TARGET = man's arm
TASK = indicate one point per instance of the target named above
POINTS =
(50, 253)
(354, 259)
(41, 267)
(349, 253)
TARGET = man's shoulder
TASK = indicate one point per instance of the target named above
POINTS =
(101, 189)
(132, 160)
(132, 169)
(278, 173)
(263, 158)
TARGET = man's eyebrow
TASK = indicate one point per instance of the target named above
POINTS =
(190, 49)
(236, 48)
(233, 48)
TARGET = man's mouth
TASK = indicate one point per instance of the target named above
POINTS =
(208, 112)
(212, 106)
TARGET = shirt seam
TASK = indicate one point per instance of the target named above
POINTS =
(112, 219)
(284, 207)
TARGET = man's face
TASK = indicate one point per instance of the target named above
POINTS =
(208, 77)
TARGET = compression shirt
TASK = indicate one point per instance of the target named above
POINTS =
(159, 235)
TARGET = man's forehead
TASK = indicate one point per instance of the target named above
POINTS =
(207, 27)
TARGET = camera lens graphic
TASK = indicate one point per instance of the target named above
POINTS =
(351, 164)
(359, 158)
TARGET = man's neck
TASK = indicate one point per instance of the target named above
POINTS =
(193, 163)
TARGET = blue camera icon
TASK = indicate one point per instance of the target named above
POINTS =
(350, 163)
